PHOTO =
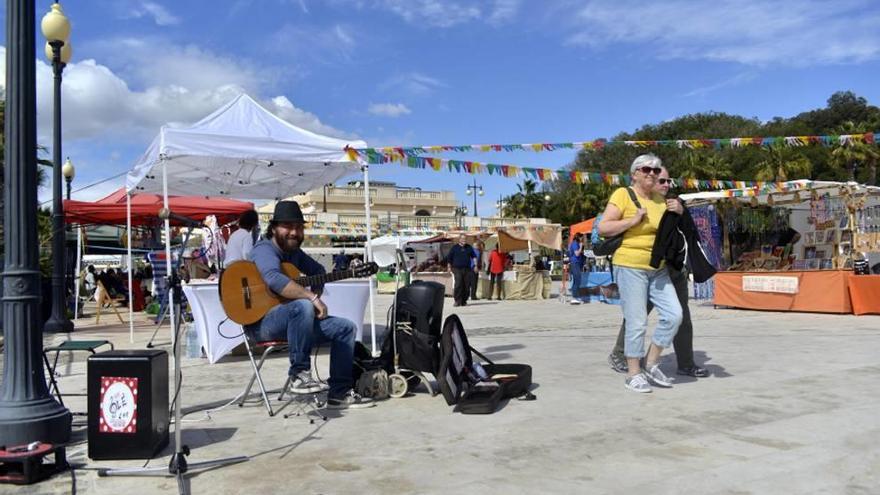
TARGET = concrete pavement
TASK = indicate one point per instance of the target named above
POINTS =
(791, 407)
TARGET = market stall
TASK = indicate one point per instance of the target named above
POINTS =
(523, 281)
(793, 247)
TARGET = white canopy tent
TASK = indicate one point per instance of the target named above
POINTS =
(385, 248)
(242, 151)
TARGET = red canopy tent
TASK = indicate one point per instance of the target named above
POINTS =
(145, 209)
(585, 227)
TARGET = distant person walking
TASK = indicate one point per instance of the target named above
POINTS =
(477, 265)
(497, 262)
(459, 261)
(576, 260)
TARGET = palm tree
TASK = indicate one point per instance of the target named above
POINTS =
(781, 164)
(701, 165)
(847, 156)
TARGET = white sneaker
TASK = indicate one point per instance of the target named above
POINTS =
(575, 302)
(638, 383)
(656, 377)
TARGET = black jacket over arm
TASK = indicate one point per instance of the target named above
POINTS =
(678, 243)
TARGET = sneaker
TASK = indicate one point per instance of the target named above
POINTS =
(638, 383)
(575, 302)
(303, 383)
(694, 371)
(656, 377)
(617, 363)
(351, 400)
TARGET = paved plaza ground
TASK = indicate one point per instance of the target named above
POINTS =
(791, 407)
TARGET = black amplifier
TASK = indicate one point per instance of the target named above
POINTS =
(128, 404)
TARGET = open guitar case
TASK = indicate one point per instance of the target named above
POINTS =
(475, 388)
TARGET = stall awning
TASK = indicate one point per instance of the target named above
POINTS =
(145, 209)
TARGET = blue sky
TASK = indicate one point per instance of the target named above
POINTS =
(426, 72)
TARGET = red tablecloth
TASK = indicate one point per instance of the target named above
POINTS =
(864, 291)
(820, 291)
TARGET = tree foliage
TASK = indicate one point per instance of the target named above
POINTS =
(844, 113)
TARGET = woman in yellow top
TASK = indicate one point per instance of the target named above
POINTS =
(637, 280)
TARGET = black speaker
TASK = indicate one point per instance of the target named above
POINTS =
(127, 404)
(421, 305)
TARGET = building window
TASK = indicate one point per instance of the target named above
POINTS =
(423, 213)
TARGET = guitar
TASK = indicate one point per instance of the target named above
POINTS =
(246, 298)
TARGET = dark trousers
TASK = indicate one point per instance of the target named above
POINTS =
(496, 278)
(474, 280)
(462, 284)
(576, 271)
(683, 343)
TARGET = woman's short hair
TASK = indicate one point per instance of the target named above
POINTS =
(248, 220)
(647, 160)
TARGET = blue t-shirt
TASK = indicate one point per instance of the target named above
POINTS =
(572, 249)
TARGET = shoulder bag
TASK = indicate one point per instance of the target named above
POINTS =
(610, 244)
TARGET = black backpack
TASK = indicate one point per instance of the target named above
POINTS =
(465, 386)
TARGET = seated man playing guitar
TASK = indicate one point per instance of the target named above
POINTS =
(302, 318)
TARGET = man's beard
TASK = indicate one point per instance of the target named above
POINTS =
(290, 243)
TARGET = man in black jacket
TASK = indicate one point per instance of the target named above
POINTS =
(673, 245)
(460, 262)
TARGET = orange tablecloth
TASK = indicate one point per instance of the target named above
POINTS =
(819, 291)
(864, 291)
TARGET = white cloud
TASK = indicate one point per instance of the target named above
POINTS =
(736, 80)
(325, 45)
(504, 11)
(389, 109)
(412, 83)
(101, 106)
(137, 9)
(759, 32)
(434, 13)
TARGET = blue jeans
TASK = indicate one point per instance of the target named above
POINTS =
(577, 270)
(295, 322)
(637, 288)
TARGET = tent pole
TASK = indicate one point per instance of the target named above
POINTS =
(168, 252)
(130, 267)
(369, 252)
(78, 278)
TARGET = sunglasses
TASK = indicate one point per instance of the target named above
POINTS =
(648, 170)
(663, 181)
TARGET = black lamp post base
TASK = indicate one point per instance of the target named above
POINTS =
(56, 325)
(44, 420)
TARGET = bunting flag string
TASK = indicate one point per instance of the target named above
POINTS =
(584, 177)
(393, 154)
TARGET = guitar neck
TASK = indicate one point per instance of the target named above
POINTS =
(314, 280)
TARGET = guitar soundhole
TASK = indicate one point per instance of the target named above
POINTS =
(247, 292)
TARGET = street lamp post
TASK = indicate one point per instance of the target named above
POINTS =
(57, 31)
(324, 206)
(28, 412)
(461, 211)
(68, 172)
(475, 189)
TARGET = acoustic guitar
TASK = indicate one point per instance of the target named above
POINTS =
(246, 297)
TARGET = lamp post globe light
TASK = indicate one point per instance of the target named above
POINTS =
(56, 29)
(28, 412)
(69, 173)
(475, 190)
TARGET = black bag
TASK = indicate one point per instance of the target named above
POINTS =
(610, 244)
(459, 378)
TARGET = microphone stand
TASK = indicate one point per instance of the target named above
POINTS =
(178, 465)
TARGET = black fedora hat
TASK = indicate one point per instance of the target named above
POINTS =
(288, 211)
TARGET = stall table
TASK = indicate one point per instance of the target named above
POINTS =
(519, 285)
(864, 291)
(817, 291)
(218, 335)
